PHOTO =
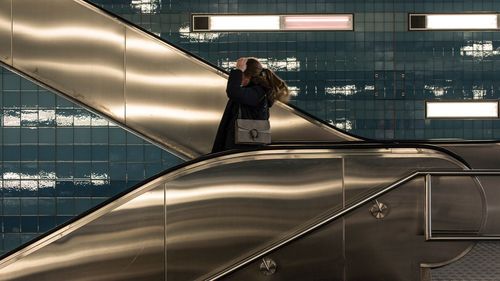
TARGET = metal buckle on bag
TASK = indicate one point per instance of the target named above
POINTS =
(254, 134)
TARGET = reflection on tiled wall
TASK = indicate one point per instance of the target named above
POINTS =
(372, 82)
(59, 160)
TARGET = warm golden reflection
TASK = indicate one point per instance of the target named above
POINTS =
(68, 33)
(262, 191)
(176, 80)
(169, 113)
(78, 68)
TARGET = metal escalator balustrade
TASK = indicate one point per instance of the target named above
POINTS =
(194, 222)
(136, 79)
(458, 223)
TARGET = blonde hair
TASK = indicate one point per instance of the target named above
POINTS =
(266, 78)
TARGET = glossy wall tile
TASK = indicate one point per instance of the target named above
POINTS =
(372, 81)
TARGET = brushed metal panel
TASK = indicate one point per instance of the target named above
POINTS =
(5, 31)
(214, 219)
(457, 205)
(125, 244)
(72, 49)
(166, 92)
(316, 257)
(394, 247)
(492, 192)
(479, 156)
(369, 171)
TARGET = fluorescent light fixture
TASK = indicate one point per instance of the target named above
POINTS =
(454, 22)
(244, 23)
(478, 109)
(319, 22)
(213, 23)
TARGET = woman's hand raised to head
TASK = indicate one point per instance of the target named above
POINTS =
(241, 64)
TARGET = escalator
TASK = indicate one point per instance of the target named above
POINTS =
(313, 211)
(139, 81)
(195, 222)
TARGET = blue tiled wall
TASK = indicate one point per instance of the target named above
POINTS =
(58, 160)
(373, 81)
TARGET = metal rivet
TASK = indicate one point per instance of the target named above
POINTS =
(379, 210)
(268, 266)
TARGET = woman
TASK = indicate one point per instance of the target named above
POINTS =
(253, 89)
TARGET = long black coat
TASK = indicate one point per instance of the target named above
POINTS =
(254, 105)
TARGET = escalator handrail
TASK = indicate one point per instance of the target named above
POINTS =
(351, 207)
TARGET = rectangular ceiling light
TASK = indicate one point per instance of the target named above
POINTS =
(211, 23)
(460, 110)
(454, 22)
(319, 22)
(243, 23)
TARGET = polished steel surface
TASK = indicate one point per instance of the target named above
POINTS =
(123, 241)
(393, 248)
(484, 156)
(261, 201)
(362, 248)
(456, 207)
(143, 84)
(373, 169)
(170, 96)
(5, 31)
(477, 155)
(74, 50)
(219, 211)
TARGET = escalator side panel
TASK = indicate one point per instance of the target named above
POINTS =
(492, 190)
(393, 248)
(317, 257)
(125, 244)
(170, 95)
(5, 31)
(363, 173)
(262, 201)
(72, 49)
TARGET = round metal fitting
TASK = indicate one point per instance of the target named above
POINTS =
(268, 266)
(379, 210)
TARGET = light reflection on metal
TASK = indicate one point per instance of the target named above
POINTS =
(6, 31)
(68, 33)
(173, 113)
(76, 67)
(170, 80)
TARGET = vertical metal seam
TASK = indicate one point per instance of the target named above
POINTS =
(344, 270)
(124, 75)
(427, 211)
(12, 32)
(165, 229)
